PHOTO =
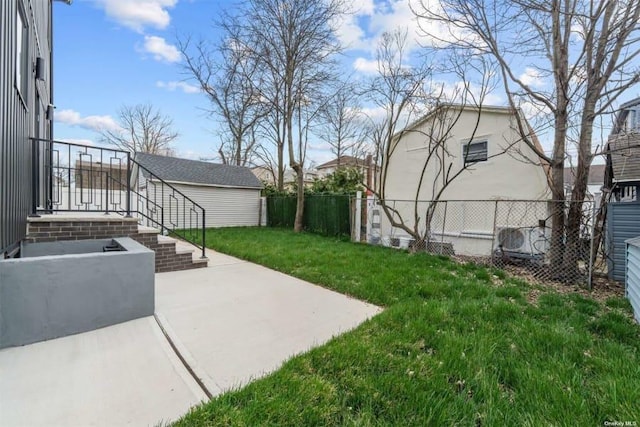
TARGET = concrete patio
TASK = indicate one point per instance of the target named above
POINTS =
(215, 328)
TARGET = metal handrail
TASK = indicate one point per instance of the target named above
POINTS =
(91, 186)
(195, 207)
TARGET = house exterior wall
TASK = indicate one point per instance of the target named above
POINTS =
(502, 176)
(632, 282)
(22, 112)
(224, 207)
(622, 224)
(505, 176)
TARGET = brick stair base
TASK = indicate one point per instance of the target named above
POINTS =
(168, 258)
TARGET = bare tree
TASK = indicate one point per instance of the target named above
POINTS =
(227, 74)
(568, 59)
(293, 42)
(142, 128)
(341, 123)
(405, 93)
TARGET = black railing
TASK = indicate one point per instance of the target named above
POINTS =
(72, 177)
(162, 205)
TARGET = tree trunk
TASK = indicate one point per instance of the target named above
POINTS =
(298, 224)
(558, 197)
(573, 250)
(280, 182)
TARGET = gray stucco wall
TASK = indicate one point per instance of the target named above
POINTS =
(53, 296)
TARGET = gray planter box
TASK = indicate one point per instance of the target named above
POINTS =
(67, 287)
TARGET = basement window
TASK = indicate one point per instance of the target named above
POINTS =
(474, 152)
(22, 53)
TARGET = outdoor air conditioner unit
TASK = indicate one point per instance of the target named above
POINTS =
(522, 242)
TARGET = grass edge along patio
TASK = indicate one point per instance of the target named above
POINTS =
(457, 344)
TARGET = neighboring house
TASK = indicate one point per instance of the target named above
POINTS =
(491, 174)
(265, 175)
(97, 175)
(362, 165)
(624, 153)
(623, 180)
(26, 110)
(594, 183)
(290, 177)
(230, 195)
(342, 162)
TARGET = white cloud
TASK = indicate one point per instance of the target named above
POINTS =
(138, 14)
(367, 66)
(376, 114)
(532, 77)
(160, 49)
(363, 7)
(183, 86)
(465, 92)
(95, 123)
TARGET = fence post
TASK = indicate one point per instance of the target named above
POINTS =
(370, 200)
(358, 219)
(593, 230)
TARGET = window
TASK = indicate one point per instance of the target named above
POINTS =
(22, 53)
(474, 152)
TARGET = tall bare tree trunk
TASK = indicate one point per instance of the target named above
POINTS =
(298, 224)
(557, 195)
(573, 248)
(280, 182)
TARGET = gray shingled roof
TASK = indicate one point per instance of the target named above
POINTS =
(197, 172)
(625, 156)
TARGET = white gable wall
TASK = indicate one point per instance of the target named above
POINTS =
(468, 226)
(504, 177)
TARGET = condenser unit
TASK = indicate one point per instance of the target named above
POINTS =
(522, 241)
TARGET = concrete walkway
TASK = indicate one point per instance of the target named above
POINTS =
(229, 323)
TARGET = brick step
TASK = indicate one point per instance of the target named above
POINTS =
(171, 254)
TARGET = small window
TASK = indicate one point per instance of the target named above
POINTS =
(474, 152)
(22, 53)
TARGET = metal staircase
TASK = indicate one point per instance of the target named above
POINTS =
(69, 177)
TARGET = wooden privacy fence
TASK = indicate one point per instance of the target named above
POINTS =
(329, 215)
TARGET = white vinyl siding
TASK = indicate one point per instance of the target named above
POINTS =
(224, 207)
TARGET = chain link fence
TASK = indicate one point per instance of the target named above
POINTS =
(515, 235)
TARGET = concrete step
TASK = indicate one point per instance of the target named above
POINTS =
(143, 229)
(170, 246)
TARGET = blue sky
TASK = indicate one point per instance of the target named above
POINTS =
(110, 53)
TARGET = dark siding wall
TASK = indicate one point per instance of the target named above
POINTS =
(623, 223)
(17, 113)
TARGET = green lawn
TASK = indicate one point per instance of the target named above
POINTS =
(456, 345)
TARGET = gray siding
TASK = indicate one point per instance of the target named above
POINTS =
(623, 223)
(632, 285)
(18, 113)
